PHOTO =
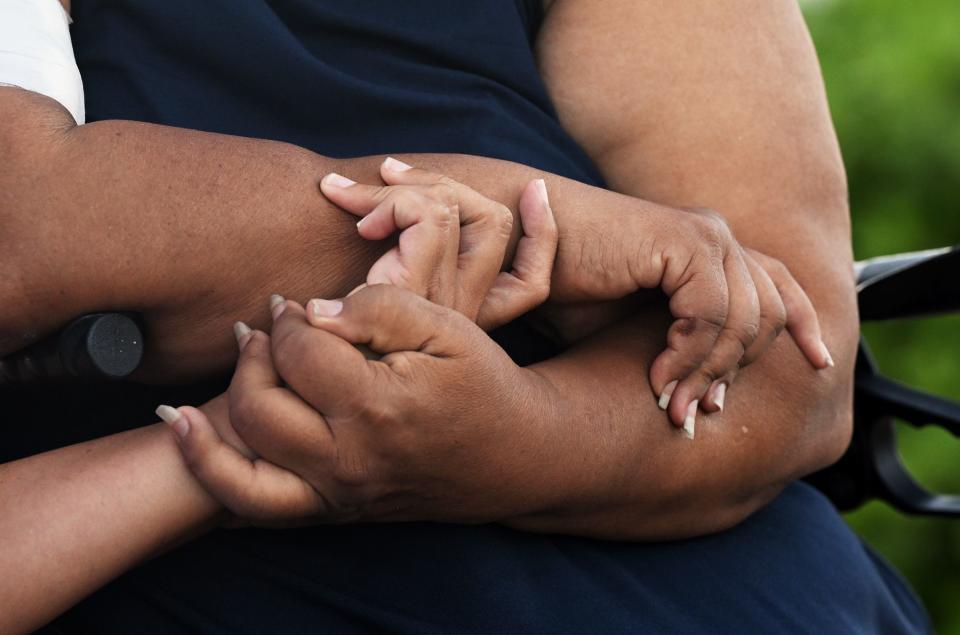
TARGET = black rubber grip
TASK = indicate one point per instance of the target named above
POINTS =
(100, 346)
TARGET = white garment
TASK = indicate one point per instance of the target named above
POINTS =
(36, 53)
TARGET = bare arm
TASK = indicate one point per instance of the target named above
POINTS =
(719, 105)
(191, 228)
(76, 517)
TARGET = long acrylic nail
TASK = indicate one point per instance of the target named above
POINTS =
(277, 305)
(666, 394)
(690, 421)
(325, 308)
(396, 165)
(542, 190)
(719, 395)
(337, 180)
(240, 331)
(177, 422)
(826, 355)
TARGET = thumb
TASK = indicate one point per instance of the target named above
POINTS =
(255, 490)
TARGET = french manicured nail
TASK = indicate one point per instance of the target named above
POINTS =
(277, 305)
(719, 395)
(666, 394)
(826, 355)
(362, 222)
(396, 165)
(240, 331)
(174, 419)
(542, 190)
(690, 421)
(326, 308)
(338, 180)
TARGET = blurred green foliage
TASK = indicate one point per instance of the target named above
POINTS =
(892, 69)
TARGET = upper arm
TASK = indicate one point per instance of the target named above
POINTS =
(701, 103)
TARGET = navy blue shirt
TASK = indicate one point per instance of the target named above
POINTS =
(358, 77)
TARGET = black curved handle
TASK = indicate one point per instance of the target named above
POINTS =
(100, 346)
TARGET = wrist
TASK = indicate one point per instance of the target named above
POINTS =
(548, 445)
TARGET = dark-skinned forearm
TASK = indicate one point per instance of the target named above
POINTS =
(624, 472)
(75, 518)
(127, 215)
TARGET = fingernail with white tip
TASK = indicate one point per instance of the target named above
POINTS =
(277, 305)
(719, 395)
(240, 331)
(666, 394)
(326, 308)
(396, 165)
(690, 421)
(827, 356)
(177, 422)
(337, 180)
(542, 190)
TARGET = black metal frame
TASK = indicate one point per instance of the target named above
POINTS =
(908, 285)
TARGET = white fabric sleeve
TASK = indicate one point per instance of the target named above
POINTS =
(36, 53)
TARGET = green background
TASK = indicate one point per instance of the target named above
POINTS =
(892, 69)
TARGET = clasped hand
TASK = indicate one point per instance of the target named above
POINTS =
(393, 404)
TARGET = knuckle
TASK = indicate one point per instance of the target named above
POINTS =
(502, 219)
(384, 192)
(712, 227)
(443, 179)
(540, 291)
(380, 413)
(776, 268)
(707, 374)
(445, 216)
(748, 331)
(445, 193)
(352, 471)
(406, 198)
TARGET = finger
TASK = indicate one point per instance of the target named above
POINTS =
(428, 220)
(699, 302)
(771, 321)
(527, 285)
(390, 320)
(801, 320)
(485, 229)
(773, 312)
(319, 364)
(254, 490)
(357, 198)
(736, 336)
(272, 420)
(425, 259)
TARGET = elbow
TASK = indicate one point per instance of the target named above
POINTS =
(33, 128)
(828, 415)
(829, 434)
